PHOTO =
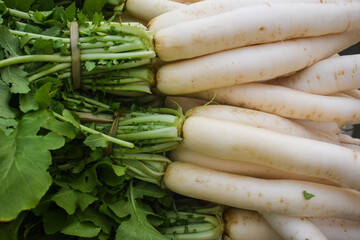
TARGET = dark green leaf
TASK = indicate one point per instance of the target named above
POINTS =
(32, 29)
(25, 158)
(43, 46)
(71, 118)
(16, 78)
(27, 102)
(43, 5)
(22, 5)
(54, 220)
(147, 189)
(137, 226)
(10, 230)
(70, 12)
(87, 182)
(110, 174)
(95, 140)
(5, 96)
(61, 128)
(53, 31)
(42, 95)
(81, 229)
(70, 200)
(92, 6)
(7, 125)
(9, 42)
(99, 219)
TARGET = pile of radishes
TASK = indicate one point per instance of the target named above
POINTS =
(272, 147)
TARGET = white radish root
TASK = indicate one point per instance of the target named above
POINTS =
(249, 64)
(251, 225)
(262, 120)
(286, 102)
(241, 224)
(213, 7)
(272, 196)
(240, 142)
(238, 167)
(214, 34)
(149, 9)
(329, 76)
(331, 128)
(355, 93)
(294, 228)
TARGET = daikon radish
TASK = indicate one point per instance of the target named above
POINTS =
(278, 22)
(286, 197)
(338, 229)
(187, 1)
(331, 128)
(214, 7)
(238, 167)
(351, 146)
(286, 102)
(332, 75)
(294, 228)
(240, 142)
(148, 9)
(344, 138)
(241, 224)
(251, 225)
(249, 64)
(262, 120)
(355, 93)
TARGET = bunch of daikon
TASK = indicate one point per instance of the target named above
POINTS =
(278, 153)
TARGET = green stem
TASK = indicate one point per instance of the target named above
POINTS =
(188, 229)
(106, 137)
(56, 68)
(19, 14)
(118, 81)
(154, 118)
(141, 156)
(114, 89)
(163, 147)
(91, 101)
(151, 134)
(116, 49)
(84, 57)
(214, 234)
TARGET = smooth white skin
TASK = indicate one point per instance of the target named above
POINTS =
(329, 76)
(240, 142)
(239, 220)
(286, 102)
(214, 7)
(278, 22)
(184, 154)
(148, 9)
(271, 196)
(338, 229)
(241, 224)
(262, 120)
(249, 64)
(294, 228)
(331, 128)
